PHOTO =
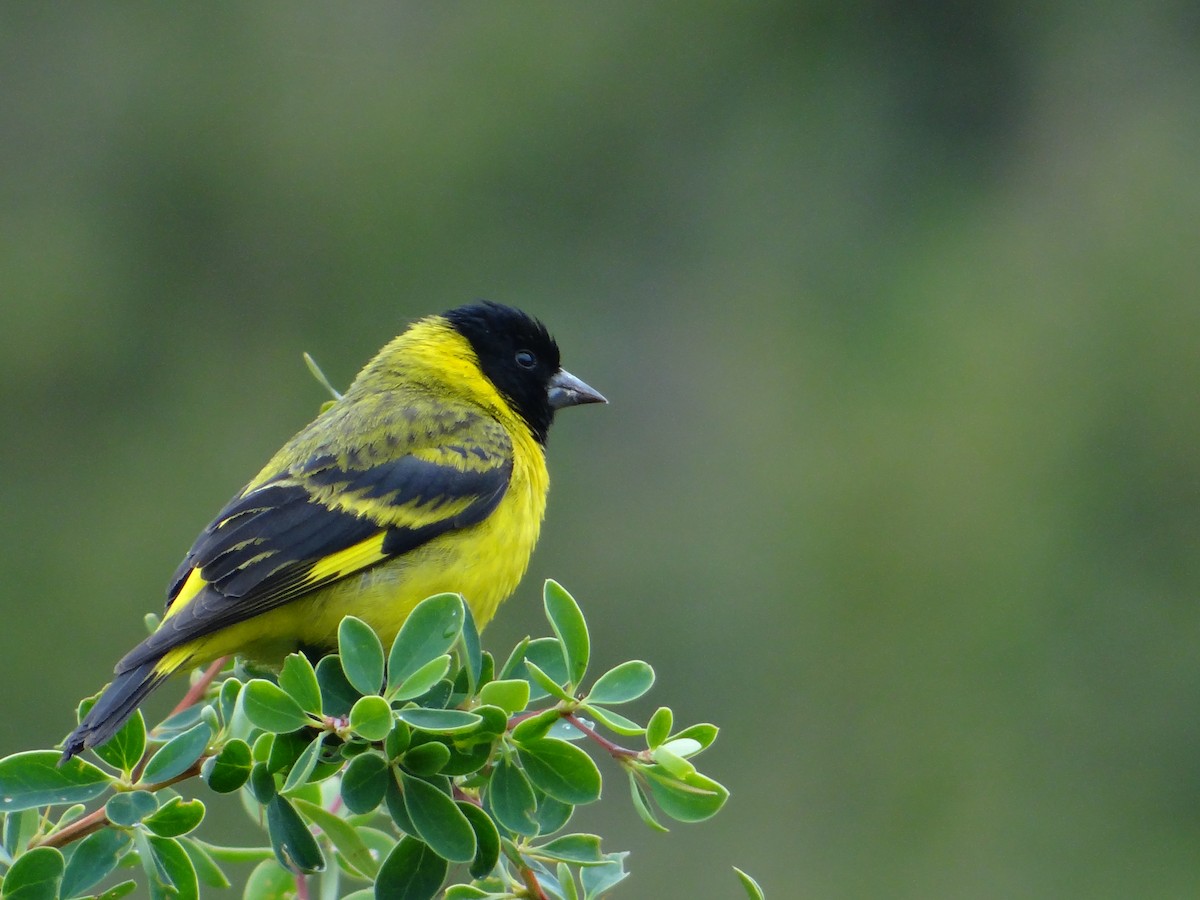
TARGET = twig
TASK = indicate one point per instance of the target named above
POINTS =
(96, 819)
(614, 749)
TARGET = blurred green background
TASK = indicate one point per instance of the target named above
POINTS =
(897, 311)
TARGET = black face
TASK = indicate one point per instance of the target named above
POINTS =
(517, 355)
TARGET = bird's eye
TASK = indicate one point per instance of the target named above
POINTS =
(525, 359)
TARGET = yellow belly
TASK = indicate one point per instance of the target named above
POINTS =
(484, 563)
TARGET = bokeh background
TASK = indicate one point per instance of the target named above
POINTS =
(897, 311)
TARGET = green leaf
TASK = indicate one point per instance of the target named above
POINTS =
(227, 699)
(262, 784)
(487, 839)
(574, 848)
(361, 654)
(294, 845)
(511, 694)
(703, 734)
(371, 718)
(177, 755)
(429, 631)
(397, 740)
(438, 820)
(117, 891)
(566, 882)
(342, 835)
(299, 679)
(420, 681)
(125, 748)
(364, 782)
(684, 747)
(551, 815)
(20, 827)
(337, 694)
(440, 721)
(270, 881)
(286, 749)
(693, 798)
(614, 721)
(753, 891)
(676, 765)
(658, 727)
(412, 871)
(175, 817)
(547, 684)
(34, 778)
(271, 708)
(35, 875)
(547, 654)
(466, 892)
(568, 624)
(393, 798)
(94, 858)
(622, 683)
(427, 759)
(536, 727)
(303, 767)
(512, 667)
(177, 865)
(641, 803)
(562, 770)
(206, 867)
(130, 807)
(597, 880)
(511, 798)
(472, 651)
(229, 769)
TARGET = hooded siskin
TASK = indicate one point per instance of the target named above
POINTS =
(427, 475)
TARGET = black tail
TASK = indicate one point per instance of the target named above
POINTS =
(115, 705)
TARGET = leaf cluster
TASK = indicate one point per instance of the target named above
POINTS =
(419, 770)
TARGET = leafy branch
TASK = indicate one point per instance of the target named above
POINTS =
(420, 772)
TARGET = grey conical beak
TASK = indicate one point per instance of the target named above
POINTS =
(567, 390)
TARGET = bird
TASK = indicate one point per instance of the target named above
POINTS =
(428, 475)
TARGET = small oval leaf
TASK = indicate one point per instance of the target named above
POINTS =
(691, 799)
(438, 820)
(440, 721)
(229, 769)
(622, 683)
(35, 778)
(567, 621)
(175, 817)
(271, 708)
(371, 718)
(364, 782)
(412, 871)
(429, 631)
(294, 845)
(299, 679)
(342, 835)
(125, 748)
(35, 875)
(511, 798)
(130, 807)
(95, 857)
(487, 839)
(177, 755)
(362, 655)
(562, 770)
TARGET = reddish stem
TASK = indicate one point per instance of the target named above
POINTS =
(613, 749)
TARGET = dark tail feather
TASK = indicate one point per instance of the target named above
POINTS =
(115, 705)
